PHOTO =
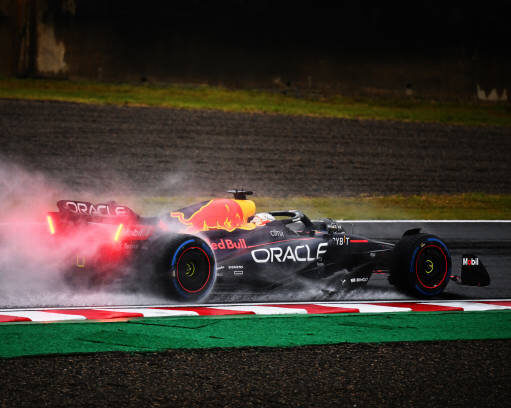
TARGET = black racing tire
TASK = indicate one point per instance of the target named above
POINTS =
(187, 270)
(421, 265)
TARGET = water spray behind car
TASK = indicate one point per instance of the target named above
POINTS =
(31, 266)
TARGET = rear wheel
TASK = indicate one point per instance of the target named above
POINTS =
(422, 265)
(188, 271)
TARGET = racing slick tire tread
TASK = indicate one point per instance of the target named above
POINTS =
(186, 270)
(421, 265)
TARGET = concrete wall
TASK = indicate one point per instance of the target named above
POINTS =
(354, 47)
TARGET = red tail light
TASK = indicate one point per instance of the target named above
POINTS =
(118, 232)
(51, 224)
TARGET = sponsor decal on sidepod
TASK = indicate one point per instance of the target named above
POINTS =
(229, 244)
(300, 253)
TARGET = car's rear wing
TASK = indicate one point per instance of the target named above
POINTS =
(115, 220)
(74, 213)
(110, 213)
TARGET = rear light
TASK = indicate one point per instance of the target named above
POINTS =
(118, 232)
(51, 225)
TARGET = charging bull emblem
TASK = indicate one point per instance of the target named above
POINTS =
(222, 214)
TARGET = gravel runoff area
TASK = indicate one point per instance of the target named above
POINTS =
(168, 151)
(424, 374)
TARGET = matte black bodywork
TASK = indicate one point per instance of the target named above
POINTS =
(277, 252)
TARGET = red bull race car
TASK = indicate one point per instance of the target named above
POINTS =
(226, 243)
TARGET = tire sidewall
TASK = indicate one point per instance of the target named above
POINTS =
(407, 275)
(415, 275)
(170, 267)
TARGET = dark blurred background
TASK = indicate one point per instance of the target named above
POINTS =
(427, 48)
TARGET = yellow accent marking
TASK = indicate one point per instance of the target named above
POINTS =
(248, 208)
(430, 266)
(118, 232)
(82, 263)
(50, 224)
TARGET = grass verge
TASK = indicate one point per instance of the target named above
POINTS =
(257, 101)
(460, 206)
(154, 334)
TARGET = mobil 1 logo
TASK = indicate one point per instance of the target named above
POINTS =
(469, 260)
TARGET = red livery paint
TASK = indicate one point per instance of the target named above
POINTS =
(223, 214)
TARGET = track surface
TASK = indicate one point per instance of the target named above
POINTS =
(171, 151)
(429, 374)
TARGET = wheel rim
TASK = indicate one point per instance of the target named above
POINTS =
(431, 266)
(190, 269)
(193, 270)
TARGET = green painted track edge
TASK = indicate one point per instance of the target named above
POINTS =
(158, 334)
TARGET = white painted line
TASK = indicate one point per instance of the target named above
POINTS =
(40, 316)
(148, 312)
(265, 310)
(471, 306)
(368, 308)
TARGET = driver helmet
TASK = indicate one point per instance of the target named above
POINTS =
(263, 218)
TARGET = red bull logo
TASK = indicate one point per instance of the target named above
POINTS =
(225, 214)
(229, 244)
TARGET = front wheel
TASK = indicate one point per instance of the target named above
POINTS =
(187, 270)
(422, 265)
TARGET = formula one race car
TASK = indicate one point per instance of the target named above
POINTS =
(224, 243)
